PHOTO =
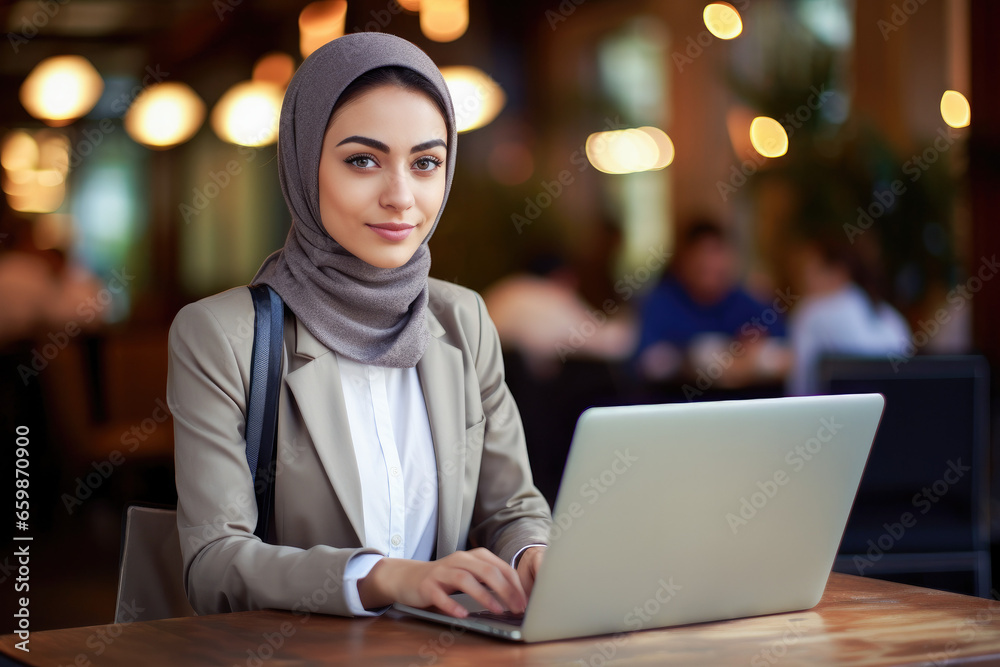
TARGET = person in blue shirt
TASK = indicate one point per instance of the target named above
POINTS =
(698, 324)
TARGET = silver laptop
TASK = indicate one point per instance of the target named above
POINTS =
(683, 513)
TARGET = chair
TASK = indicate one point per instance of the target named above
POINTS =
(921, 513)
(150, 582)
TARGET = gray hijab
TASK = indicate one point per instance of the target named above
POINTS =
(368, 314)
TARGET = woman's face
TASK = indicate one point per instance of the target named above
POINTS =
(382, 174)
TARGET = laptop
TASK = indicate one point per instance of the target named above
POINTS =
(684, 513)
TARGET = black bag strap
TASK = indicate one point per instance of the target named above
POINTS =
(262, 408)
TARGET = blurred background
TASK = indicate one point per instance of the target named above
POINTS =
(660, 201)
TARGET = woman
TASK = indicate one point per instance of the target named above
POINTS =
(398, 441)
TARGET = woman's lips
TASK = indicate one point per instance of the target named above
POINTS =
(393, 231)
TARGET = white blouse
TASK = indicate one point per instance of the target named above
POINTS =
(397, 465)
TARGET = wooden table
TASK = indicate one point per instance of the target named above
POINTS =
(859, 622)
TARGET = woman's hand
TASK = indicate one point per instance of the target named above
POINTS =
(527, 567)
(422, 584)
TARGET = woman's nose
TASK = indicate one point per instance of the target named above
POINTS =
(396, 192)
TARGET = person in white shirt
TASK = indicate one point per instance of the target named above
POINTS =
(402, 471)
(837, 315)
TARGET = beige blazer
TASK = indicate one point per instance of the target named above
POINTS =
(485, 493)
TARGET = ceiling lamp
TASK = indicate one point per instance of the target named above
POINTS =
(275, 67)
(476, 97)
(444, 20)
(247, 114)
(630, 151)
(955, 109)
(34, 170)
(61, 89)
(165, 115)
(321, 22)
(768, 137)
(722, 20)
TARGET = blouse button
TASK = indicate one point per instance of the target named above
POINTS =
(396, 539)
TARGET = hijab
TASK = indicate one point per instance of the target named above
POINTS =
(369, 314)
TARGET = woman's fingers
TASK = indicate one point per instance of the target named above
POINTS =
(466, 582)
(501, 578)
(440, 599)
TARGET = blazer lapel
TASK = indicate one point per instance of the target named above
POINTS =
(315, 385)
(442, 381)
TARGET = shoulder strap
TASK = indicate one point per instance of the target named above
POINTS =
(262, 407)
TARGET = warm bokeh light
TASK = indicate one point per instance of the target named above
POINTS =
(34, 170)
(321, 22)
(165, 115)
(664, 144)
(247, 114)
(477, 98)
(19, 152)
(275, 67)
(410, 5)
(53, 151)
(768, 137)
(444, 20)
(722, 20)
(61, 89)
(955, 109)
(630, 151)
(623, 151)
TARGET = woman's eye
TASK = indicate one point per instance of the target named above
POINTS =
(361, 161)
(427, 164)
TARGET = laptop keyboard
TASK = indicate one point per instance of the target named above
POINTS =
(508, 617)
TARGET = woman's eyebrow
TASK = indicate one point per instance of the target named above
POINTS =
(371, 143)
(428, 144)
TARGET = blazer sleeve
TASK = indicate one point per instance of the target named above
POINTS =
(226, 567)
(510, 513)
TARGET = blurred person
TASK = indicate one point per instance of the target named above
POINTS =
(41, 291)
(698, 317)
(541, 314)
(843, 310)
(388, 376)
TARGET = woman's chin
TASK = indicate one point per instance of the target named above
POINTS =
(388, 260)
